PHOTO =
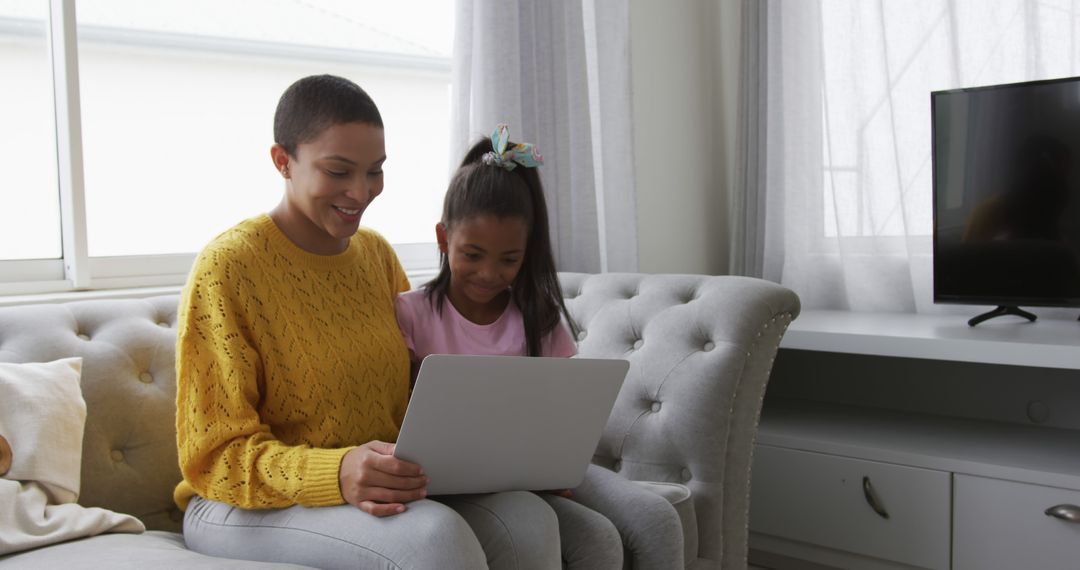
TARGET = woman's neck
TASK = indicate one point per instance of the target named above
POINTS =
(303, 233)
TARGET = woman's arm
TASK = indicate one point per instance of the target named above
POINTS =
(226, 452)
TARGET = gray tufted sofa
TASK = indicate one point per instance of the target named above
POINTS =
(700, 347)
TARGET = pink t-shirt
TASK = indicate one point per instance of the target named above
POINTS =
(427, 332)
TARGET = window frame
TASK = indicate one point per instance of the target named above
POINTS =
(46, 279)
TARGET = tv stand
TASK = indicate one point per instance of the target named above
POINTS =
(932, 420)
(1001, 310)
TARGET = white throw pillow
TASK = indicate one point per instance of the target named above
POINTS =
(42, 416)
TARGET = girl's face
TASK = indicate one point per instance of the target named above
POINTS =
(485, 254)
(329, 184)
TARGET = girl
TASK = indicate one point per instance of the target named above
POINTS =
(496, 267)
(497, 293)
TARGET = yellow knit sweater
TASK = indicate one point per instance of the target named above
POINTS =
(285, 360)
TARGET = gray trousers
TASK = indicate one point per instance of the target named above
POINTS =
(589, 540)
(503, 530)
(652, 534)
(610, 523)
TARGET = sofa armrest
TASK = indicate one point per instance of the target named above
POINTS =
(700, 349)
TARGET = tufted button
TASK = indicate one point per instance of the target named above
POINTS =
(116, 455)
(708, 346)
(638, 343)
(685, 474)
(581, 335)
(146, 378)
(83, 336)
(655, 407)
(164, 324)
(617, 466)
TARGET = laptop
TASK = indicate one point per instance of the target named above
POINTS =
(483, 424)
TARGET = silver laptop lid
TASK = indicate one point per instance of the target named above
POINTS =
(481, 424)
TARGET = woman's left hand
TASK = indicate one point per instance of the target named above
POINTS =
(380, 484)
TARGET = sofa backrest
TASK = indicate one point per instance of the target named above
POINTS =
(129, 460)
(700, 349)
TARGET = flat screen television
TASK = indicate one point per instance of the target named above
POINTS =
(1006, 172)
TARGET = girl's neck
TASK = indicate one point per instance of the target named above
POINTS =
(479, 313)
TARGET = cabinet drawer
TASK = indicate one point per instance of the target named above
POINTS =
(820, 499)
(1003, 524)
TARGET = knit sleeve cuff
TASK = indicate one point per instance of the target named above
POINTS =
(321, 485)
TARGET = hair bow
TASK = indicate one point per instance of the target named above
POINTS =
(523, 154)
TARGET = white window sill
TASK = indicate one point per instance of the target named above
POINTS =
(416, 279)
(66, 296)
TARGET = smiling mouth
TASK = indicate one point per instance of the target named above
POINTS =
(347, 211)
(488, 289)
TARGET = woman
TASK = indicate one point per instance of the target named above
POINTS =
(292, 377)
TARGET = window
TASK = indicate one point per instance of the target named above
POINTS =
(171, 113)
(29, 220)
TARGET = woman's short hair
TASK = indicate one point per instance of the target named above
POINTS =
(317, 102)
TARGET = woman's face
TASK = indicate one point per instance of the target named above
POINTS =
(329, 184)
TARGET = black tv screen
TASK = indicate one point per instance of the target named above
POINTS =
(1006, 168)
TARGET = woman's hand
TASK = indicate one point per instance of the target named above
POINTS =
(380, 484)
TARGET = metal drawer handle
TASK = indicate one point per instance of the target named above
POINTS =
(1070, 513)
(875, 503)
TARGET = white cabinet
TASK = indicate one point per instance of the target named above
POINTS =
(880, 510)
(961, 492)
(1003, 525)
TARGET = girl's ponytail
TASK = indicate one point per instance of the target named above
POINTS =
(536, 289)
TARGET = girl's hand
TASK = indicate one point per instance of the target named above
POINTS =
(380, 484)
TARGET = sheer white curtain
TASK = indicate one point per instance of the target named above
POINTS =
(559, 74)
(838, 97)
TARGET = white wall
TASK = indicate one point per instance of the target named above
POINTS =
(683, 53)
